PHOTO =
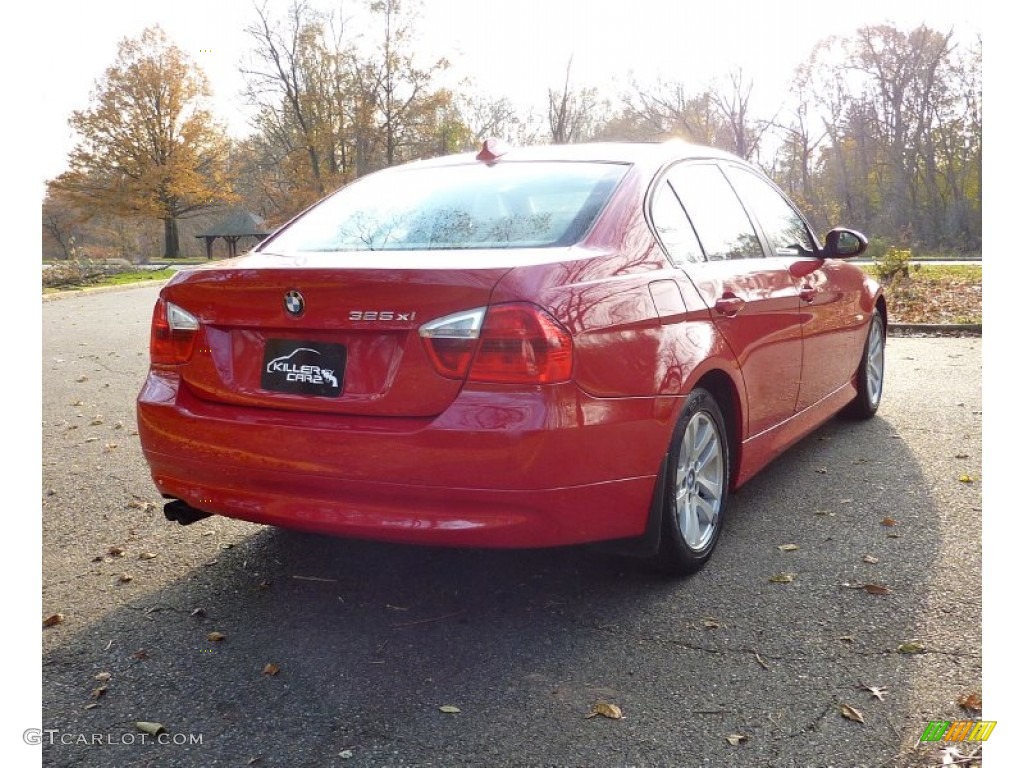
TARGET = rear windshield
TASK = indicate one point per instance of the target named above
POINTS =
(505, 205)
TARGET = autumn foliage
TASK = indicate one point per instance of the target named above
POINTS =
(148, 147)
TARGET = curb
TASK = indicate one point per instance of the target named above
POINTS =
(926, 329)
(65, 293)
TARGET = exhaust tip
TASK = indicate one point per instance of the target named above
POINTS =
(178, 511)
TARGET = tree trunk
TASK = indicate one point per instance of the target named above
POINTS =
(171, 238)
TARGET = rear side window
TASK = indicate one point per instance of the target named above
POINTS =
(674, 228)
(721, 223)
(505, 205)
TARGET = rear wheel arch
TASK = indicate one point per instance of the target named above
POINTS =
(721, 386)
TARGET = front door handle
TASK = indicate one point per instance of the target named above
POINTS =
(729, 305)
(807, 293)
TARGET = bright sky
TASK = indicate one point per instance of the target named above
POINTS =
(518, 49)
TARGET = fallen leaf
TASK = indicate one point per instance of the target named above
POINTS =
(271, 669)
(911, 646)
(605, 709)
(821, 471)
(226, 545)
(962, 456)
(889, 521)
(96, 421)
(53, 620)
(141, 654)
(824, 513)
(448, 709)
(253, 760)
(110, 446)
(346, 754)
(91, 439)
(99, 691)
(877, 589)
(870, 559)
(782, 578)
(147, 555)
(878, 691)
(851, 714)
(847, 638)
(198, 612)
(102, 677)
(846, 501)
(216, 637)
(788, 547)
(970, 701)
(82, 379)
(124, 578)
(966, 479)
(153, 729)
(115, 552)
(92, 705)
(711, 623)
(735, 738)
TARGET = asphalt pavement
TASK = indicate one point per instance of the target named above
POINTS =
(258, 646)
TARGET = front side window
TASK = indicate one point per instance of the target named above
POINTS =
(718, 217)
(504, 205)
(783, 227)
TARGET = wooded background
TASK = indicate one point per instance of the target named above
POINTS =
(880, 131)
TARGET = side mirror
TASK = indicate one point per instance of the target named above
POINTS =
(841, 243)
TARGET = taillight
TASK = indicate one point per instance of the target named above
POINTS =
(514, 344)
(172, 335)
(451, 341)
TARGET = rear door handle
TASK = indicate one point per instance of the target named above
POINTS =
(729, 305)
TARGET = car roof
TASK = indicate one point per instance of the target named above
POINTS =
(642, 153)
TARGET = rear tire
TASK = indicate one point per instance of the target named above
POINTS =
(696, 487)
(870, 372)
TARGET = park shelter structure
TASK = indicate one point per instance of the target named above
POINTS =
(233, 228)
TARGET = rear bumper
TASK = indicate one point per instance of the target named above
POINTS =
(539, 467)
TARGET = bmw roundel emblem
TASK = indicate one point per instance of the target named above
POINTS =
(294, 304)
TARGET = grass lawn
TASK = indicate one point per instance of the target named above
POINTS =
(936, 294)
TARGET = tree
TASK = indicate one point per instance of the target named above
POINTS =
(733, 104)
(148, 147)
(573, 114)
(59, 223)
(332, 109)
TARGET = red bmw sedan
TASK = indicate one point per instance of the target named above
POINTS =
(514, 348)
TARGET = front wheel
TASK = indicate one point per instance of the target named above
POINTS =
(697, 486)
(871, 372)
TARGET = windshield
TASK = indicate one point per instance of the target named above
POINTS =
(504, 205)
